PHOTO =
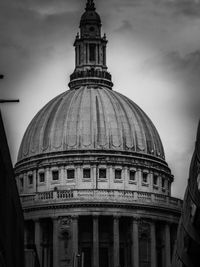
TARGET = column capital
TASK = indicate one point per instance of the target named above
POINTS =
(74, 216)
(95, 215)
(36, 220)
(136, 219)
(151, 220)
(55, 218)
(116, 216)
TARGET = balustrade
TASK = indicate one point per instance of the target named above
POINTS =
(101, 195)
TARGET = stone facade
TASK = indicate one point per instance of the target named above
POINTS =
(91, 172)
(186, 253)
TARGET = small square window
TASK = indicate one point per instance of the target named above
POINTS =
(132, 175)
(144, 177)
(70, 174)
(92, 51)
(155, 180)
(86, 173)
(30, 179)
(55, 175)
(41, 177)
(102, 173)
(118, 174)
(163, 182)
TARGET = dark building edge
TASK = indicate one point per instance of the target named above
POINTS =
(11, 215)
(187, 249)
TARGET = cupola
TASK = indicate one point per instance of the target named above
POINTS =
(90, 51)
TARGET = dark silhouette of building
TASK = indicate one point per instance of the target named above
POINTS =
(11, 214)
(187, 248)
(91, 171)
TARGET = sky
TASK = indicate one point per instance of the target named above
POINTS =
(153, 55)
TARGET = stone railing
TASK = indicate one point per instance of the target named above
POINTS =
(100, 195)
(91, 73)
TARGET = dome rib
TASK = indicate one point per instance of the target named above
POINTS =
(104, 129)
(127, 133)
(148, 132)
(116, 132)
(48, 129)
(138, 127)
(72, 125)
(59, 122)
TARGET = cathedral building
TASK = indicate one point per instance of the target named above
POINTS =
(91, 172)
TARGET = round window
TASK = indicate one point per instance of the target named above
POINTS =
(91, 29)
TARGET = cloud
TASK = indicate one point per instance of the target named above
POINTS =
(30, 38)
(126, 26)
(184, 71)
(190, 8)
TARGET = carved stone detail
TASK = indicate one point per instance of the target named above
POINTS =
(144, 230)
(65, 222)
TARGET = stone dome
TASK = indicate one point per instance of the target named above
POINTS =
(92, 118)
(90, 16)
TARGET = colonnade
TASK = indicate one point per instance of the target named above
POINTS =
(116, 241)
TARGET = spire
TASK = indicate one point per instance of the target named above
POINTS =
(90, 52)
(90, 5)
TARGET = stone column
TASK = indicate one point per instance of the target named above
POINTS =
(153, 244)
(95, 241)
(75, 236)
(167, 246)
(55, 242)
(151, 180)
(62, 175)
(139, 179)
(38, 239)
(47, 178)
(116, 241)
(135, 243)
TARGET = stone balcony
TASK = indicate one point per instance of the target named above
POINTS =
(91, 76)
(91, 196)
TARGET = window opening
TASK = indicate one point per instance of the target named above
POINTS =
(55, 175)
(41, 177)
(92, 52)
(118, 174)
(70, 174)
(102, 173)
(132, 175)
(86, 173)
(30, 179)
(144, 177)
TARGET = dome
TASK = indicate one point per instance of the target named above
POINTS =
(90, 17)
(91, 118)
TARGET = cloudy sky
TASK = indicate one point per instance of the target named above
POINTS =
(153, 55)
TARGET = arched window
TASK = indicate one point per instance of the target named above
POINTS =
(92, 52)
